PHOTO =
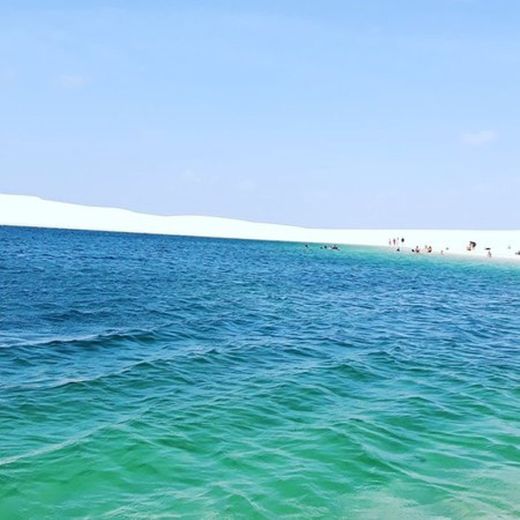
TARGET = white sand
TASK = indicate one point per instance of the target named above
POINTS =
(20, 210)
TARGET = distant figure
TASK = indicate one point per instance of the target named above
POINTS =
(489, 252)
(393, 241)
(430, 249)
(402, 240)
(471, 246)
(442, 251)
(389, 241)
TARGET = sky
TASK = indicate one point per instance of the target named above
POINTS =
(338, 113)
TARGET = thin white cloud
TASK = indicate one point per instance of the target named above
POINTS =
(479, 138)
(72, 80)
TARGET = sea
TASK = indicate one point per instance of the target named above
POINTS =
(164, 377)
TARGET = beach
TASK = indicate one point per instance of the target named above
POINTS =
(20, 210)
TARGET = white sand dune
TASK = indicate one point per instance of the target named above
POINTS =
(21, 210)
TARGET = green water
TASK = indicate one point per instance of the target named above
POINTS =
(163, 377)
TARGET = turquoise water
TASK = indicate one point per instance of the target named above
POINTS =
(166, 377)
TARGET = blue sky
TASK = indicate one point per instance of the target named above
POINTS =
(365, 113)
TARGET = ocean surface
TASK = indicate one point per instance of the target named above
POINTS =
(167, 377)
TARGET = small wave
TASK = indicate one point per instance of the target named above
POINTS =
(58, 446)
(105, 338)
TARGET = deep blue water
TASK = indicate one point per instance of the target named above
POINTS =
(169, 377)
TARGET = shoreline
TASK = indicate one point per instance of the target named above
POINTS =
(30, 211)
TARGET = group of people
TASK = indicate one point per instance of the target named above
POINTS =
(472, 245)
(397, 243)
(334, 247)
(426, 249)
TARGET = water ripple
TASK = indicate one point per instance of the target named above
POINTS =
(164, 377)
